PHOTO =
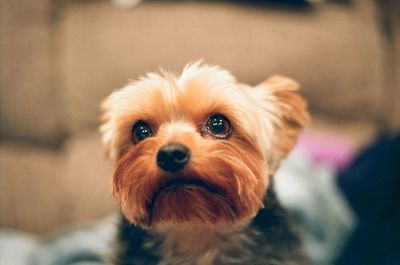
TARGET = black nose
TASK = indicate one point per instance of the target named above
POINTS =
(173, 157)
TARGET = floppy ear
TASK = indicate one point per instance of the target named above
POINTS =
(286, 109)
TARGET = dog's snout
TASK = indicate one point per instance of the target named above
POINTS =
(173, 157)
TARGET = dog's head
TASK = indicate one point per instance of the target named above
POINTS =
(199, 147)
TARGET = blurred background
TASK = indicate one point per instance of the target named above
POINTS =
(60, 58)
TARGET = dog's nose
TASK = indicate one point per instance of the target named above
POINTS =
(173, 157)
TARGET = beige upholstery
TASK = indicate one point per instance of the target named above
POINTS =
(42, 189)
(30, 100)
(334, 51)
(391, 104)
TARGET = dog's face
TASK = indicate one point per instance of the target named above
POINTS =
(199, 147)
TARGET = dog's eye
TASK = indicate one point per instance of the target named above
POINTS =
(141, 131)
(218, 126)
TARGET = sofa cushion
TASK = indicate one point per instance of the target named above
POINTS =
(30, 101)
(43, 189)
(31, 190)
(333, 50)
(391, 19)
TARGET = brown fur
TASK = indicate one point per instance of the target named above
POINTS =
(292, 114)
(215, 210)
(230, 176)
(237, 176)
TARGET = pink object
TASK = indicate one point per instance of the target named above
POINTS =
(325, 148)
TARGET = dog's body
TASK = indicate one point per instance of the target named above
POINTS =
(194, 159)
(268, 240)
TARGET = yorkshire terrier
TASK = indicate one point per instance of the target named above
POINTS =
(194, 157)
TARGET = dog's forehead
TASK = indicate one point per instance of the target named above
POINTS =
(198, 92)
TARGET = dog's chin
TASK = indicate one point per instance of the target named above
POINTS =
(190, 200)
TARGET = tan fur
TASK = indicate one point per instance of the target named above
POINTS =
(285, 111)
(292, 111)
(266, 121)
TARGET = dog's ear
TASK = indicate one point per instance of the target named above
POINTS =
(285, 108)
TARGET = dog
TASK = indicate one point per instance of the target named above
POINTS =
(194, 158)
